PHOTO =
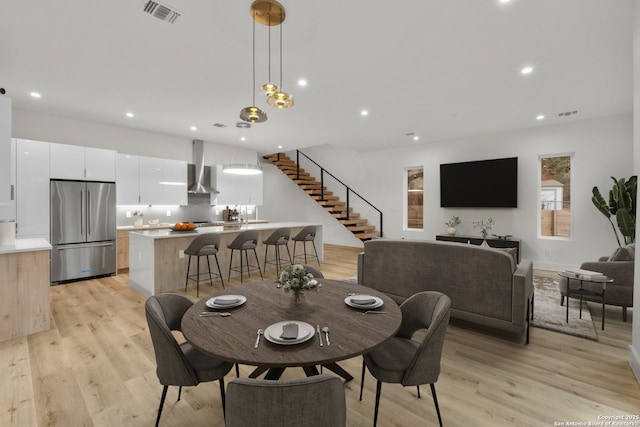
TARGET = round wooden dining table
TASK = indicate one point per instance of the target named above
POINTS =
(351, 333)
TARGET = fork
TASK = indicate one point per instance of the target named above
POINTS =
(214, 313)
(258, 338)
(372, 312)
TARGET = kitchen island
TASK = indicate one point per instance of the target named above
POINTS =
(25, 305)
(157, 262)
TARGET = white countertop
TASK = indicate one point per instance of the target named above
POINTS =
(169, 234)
(167, 227)
(26, 245)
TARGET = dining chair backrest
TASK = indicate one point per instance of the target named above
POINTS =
(316, 401)
(280, 235)
(307, 233)
(428, 310)
(244, 238)
(311, 269)
(208, 239)
(164, 314)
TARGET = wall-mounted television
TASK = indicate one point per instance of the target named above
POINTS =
(480, 184)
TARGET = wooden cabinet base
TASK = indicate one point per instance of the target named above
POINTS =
(25, 306)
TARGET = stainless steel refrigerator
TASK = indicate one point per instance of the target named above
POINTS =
(83, 229)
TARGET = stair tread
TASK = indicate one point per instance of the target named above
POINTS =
(361, 228)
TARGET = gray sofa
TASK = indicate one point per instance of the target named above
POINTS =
(485, 285)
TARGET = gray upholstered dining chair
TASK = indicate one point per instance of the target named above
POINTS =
(178, 364)
(316, 401)
(307, 234)
(311, 269)
(245, 241)
(403, 360)
(204, 245)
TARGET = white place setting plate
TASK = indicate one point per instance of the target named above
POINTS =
(273, 333)
(226, 301)
(363, 301)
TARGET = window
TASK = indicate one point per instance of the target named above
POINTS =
(415, 191)
(555, 196)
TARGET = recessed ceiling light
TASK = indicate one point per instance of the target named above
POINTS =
(194, 128)
(526, 70)
(279, 147)
(416, 137)
(302, 82)
(35, 95)
(540, 117)
(129, 114)
(364, 113)
(505, 1)
(242, 138)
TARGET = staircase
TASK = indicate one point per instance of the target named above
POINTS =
(331, 203)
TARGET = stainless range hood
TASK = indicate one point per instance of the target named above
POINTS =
(199, 175)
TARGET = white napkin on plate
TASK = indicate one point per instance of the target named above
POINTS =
(363, 301)
(226, 301)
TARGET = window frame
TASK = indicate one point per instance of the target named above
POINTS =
(405, 209)
(571, 156)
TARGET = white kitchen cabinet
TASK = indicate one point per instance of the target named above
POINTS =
(237, 189)
(83, 163)
(150, 177)
(127, 179)
(151, 181)
(32, 188)
(100, 164)
(8, 208)
(174, 182)
(5, 150)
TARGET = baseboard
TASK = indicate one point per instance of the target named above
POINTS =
(634, 361)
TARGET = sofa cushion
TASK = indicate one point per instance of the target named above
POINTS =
(514, 254)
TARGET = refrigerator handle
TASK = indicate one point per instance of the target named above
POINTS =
(82, 212)
(88, 212)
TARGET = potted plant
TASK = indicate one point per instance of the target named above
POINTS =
(484, 227)
(452, 224)
(622, 205)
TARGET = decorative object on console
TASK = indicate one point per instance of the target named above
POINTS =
(484, 227)
(297, 279)
(622, 204)
(452, 224)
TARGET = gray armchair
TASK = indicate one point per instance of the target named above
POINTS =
(618, 267)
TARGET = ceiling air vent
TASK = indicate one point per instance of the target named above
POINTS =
(161, 11)
(568, 113)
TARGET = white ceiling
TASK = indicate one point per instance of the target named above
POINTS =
(438, 68)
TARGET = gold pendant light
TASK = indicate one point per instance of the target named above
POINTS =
(280, 98)
(253, 114)
(272, 13)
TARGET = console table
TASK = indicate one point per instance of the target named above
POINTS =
(494, 242)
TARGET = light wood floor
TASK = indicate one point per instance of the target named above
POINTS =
(96, 367)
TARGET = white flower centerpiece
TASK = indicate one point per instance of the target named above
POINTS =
(297, 279)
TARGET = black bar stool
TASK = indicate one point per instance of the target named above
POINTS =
(278, 238)
(203, 246)
(245, 241)
(307, 234)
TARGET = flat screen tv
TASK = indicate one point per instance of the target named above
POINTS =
(480, 184)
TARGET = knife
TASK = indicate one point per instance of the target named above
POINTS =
(319, 334)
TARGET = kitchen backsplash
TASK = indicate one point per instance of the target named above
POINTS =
(127, 215)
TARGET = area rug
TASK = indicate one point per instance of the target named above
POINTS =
(549, 314)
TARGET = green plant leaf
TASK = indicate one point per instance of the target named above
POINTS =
(600, 203)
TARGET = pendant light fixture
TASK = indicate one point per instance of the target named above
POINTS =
(253, 114)
(280, 98)
(269, 88)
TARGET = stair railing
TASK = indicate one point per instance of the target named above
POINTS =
(348, 189)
